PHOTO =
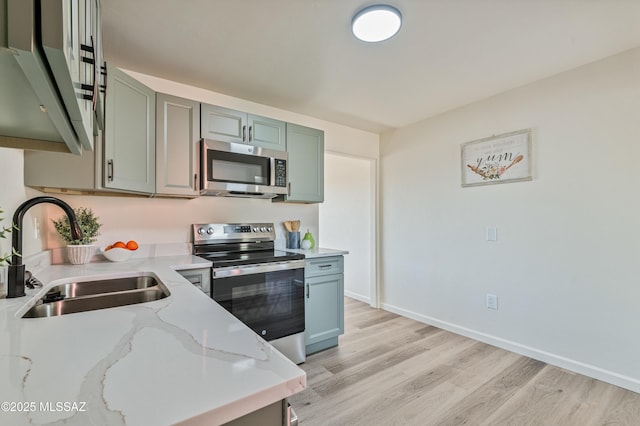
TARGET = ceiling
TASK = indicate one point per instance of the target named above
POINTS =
(299, 55)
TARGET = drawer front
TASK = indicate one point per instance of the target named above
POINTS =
(324, 266)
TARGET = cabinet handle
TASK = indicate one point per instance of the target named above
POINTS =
(289, 189)
(93, 87)
(307, 291)
(324, 266)
(244, 133)
(250, 128)
(110, 170)
(195, 181)
(103, 73)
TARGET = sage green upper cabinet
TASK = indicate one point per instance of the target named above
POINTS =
(228, 125)
(130, 134)
(267, 132)
(49, 78)
(305, 147)
(222, 124)
(177, 154)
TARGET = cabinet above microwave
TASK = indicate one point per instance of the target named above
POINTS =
(50, 62)
(228, 125)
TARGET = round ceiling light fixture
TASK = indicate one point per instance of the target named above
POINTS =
(376, 23)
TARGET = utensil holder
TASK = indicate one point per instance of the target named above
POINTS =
(293, 240)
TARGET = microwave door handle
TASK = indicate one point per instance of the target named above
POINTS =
(272, 171)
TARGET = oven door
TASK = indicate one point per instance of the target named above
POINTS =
(268, 298)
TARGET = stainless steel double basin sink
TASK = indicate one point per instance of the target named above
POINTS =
(82, 296)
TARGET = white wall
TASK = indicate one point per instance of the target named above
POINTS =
(12, 194)
(156, 220)
(347, 219)
(565, 263)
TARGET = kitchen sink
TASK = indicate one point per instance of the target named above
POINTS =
(82, 296)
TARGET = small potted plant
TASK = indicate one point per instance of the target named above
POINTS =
(4, 258)
(79, 251)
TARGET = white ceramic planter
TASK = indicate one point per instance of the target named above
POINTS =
(81, 254)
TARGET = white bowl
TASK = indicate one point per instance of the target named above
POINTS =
(116, 254)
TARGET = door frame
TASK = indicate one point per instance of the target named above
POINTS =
(374, 255)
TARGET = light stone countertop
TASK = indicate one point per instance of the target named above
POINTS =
(318, 252)
(179, 359)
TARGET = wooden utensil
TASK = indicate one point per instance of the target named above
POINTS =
(295, 225)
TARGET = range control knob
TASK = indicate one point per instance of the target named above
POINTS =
(200, 231)
(263, 229)
(210, 230)
(269, 229)
(255, 229)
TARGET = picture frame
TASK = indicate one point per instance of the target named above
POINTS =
(497, 159)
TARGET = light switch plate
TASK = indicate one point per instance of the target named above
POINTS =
(492, 233)
(492, 301)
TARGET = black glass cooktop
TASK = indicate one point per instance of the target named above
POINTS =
(242, 254)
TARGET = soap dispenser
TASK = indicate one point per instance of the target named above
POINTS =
(309, 237)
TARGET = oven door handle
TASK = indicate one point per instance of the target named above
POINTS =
(260, 268)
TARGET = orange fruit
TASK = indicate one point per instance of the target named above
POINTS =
(132, 245)
(109, 247)
(119, 244)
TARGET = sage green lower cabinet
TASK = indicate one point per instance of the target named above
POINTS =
(130, 134)
(177, 146)
(324, 307)
(201, 278)
(305, 147)
(276, 414)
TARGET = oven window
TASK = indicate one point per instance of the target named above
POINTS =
(271, 303)
(238, 168)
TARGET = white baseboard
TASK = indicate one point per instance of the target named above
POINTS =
(357, 296)
(550, 358)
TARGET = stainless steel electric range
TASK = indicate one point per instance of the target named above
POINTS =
(261, 286)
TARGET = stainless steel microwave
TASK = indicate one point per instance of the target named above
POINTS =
(240, 170)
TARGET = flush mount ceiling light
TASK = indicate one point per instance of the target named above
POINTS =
(376, 23)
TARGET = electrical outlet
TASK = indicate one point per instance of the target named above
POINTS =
(492, 233)
(492, 301)
(36, 228)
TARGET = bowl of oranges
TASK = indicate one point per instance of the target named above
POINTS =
(119, 251)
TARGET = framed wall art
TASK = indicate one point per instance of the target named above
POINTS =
(497, 159)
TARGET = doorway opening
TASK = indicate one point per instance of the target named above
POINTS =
(347, 220)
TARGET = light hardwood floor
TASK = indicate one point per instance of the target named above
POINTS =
(390, 370)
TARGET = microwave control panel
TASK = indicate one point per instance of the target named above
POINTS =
(281, 172)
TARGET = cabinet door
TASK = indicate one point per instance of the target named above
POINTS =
(267, 132)
(324, 311)
(306, 164)
(177, 141)
(223, 124)
(130, 140)
(65, 43)
(100, 66)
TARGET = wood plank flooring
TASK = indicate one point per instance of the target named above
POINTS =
(390, 370)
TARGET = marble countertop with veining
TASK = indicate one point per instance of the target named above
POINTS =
(318, 252)
(179, 359)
